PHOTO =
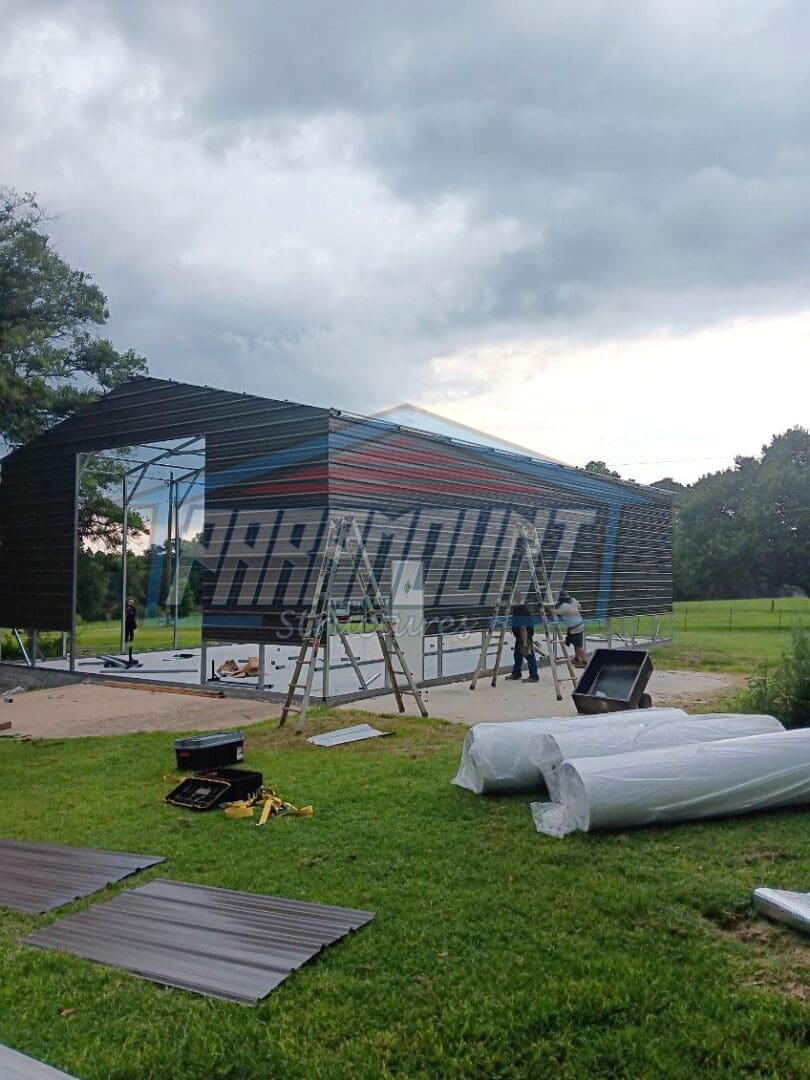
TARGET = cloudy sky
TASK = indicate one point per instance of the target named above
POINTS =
(583, 226)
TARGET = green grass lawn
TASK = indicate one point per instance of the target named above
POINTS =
(732, 635)
(97, 637)
(494, 953)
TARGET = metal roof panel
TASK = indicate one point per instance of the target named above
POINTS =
(40, 877)
(233, 945)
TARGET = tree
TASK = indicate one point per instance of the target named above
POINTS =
(52, 359)
(601, 469)
(745, 531)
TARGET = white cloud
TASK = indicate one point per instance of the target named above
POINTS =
(666, 405)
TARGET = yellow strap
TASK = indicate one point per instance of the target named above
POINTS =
(267, 810)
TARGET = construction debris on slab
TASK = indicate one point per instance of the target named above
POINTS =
(232, 945)
(16, 1066)
(792, 908)
(35, 878)
(346, 735)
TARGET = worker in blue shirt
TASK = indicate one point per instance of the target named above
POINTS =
(522, 622)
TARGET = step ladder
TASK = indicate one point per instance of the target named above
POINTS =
(344, 542)
(525, 550)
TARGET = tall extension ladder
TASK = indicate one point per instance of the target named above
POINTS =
(526, 548)
(343, 537)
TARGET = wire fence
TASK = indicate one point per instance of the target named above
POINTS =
(788, 613)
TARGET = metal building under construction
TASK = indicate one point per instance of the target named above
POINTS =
(273, 474)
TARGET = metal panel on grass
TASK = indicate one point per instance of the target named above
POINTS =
(16, 1066)
(40, 877)
(232, 945)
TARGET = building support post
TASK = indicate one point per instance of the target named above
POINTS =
(81, 460)
(262, 670)
(176, 561)
(124, 539)
(327, 660)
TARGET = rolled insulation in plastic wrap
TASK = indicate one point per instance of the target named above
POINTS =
(792, 908)
(682, 783)
(495, 758)
(549, 751)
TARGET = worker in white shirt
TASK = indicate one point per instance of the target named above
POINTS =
(568, 609)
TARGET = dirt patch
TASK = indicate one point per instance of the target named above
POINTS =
(693, 690)
(89, 709)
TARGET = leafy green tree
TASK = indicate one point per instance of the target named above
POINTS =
(601, 469)
(745, 531)
(52, 359)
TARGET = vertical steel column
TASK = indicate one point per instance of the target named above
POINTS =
(176, 560)
(327, 654)
(167, 555)
(79, 466)
(32, 637)
(124, 538)
(440, 656)
(262, 661)
(203, 663)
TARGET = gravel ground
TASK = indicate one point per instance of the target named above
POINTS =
(90, 709)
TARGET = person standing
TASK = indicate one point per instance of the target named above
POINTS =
(130, 620)
(523, 629)
(568, 609)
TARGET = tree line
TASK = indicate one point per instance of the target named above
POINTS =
(743, 531)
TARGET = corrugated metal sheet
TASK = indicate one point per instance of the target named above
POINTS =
(232, 945)
(15, 1066)
(40, 877)
(248, 441)
(452, 504)
(276, 471)
(346, 735)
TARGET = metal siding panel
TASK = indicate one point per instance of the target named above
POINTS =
(233, 945)
(16, 1066)
(451, 505)
(249, 441)
(275, 471)
(41, 877)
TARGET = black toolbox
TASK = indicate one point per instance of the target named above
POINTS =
(220, 748)
(207, 790)
(614, 680)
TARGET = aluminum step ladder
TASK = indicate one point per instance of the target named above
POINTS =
(344, 541)
(525, 550)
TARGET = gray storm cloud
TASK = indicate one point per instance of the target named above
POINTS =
(312, 200)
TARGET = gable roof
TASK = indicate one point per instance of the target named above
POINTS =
(414, 416)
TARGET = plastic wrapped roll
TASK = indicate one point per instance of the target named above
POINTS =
(495, 758)
(792, 908)
(683, 783)
(549, 751)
